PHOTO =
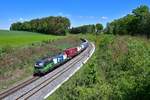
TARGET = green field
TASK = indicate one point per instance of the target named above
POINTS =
(19, 38)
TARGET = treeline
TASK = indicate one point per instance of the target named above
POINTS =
(48, 25)
(87, 29)
(136, 23)
(55, 26)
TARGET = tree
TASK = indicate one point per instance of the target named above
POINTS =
(99, 27)
(85, 29)
(147, 26)
(48, 25)
(16, 26)
(136, 23)
(140, 14)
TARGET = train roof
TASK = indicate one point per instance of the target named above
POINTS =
(45, 59)
(58, 55)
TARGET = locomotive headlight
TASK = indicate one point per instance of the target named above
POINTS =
(35, 65)
(41, 64)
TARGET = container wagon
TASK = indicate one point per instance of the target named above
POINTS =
(71, 52)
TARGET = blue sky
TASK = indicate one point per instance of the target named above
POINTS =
(78, 11)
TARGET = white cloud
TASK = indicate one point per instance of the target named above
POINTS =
(91, 17)
(60, 14)
(88, 17)
(21, 19)
(9, 19)
(104, 17)
(13, 20)
(80, 16)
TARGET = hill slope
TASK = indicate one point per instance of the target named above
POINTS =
(119, 70)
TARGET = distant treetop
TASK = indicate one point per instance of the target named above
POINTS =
(48, 25)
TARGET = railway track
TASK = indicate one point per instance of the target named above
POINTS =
(19, 86)
(44, 83)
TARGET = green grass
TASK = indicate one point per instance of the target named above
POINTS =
(18, 58)
(19, 38)
(118, 70)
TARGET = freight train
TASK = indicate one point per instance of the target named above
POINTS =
(47, 64)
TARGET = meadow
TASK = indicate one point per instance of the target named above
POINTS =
(20, 38)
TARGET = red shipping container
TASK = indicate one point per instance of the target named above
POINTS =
(71, 52)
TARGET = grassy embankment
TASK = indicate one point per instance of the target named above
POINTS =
(119, 70)
(20, 50)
